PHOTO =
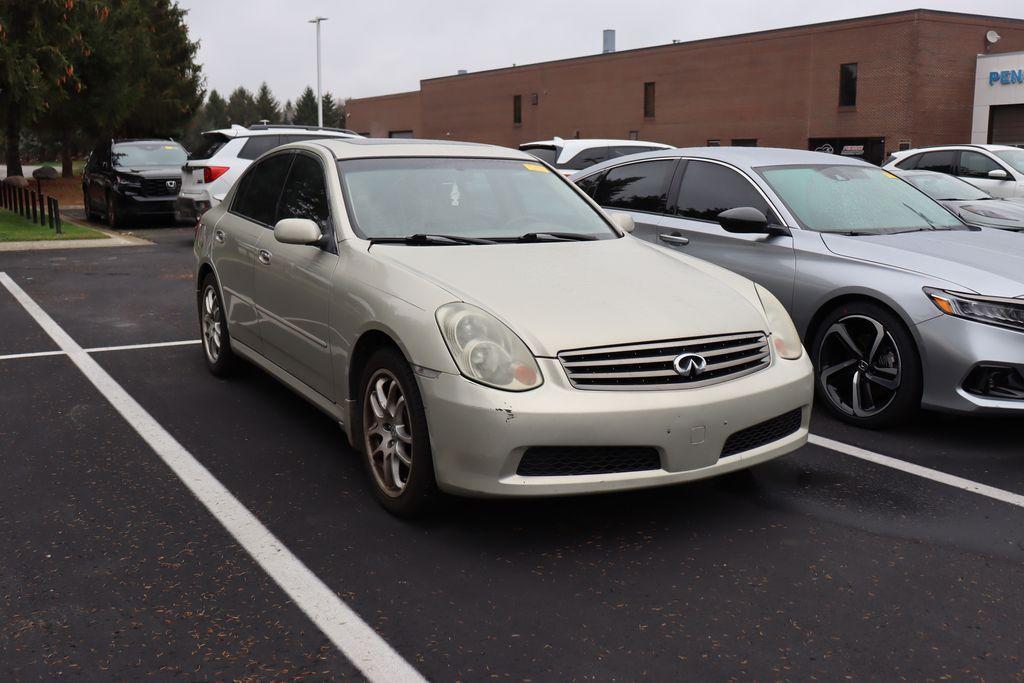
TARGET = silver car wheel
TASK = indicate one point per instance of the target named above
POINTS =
(213, 321)
(860, 366)
(387, 433)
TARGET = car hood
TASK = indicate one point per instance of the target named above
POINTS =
(992, 213)
(572, 295)
(985, 261)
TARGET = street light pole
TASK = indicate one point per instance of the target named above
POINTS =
(319, 96)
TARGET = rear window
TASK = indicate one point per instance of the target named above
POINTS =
(548, 154)
(211, 144)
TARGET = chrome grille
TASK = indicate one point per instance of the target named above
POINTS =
(650, 365)
(157, 187)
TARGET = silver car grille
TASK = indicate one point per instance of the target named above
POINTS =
(651, 365)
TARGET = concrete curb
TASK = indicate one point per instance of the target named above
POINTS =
(113, 239)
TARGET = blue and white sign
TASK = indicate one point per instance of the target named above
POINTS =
(1006, 77)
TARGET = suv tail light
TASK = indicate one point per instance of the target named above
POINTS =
(211, 173)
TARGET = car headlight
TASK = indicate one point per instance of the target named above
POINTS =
(485, 350)
(126, 181)
(785, 338)
(984, 309)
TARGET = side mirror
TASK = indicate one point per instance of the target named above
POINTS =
(622, 221)
(297, 231)
(748, 220)
(997, 174)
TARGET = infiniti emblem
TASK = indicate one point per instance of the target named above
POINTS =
(689, 364)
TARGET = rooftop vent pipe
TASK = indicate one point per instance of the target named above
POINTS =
(609, 41)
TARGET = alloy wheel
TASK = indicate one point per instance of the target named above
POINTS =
(387, 433)
(860, 369)
(213, 324)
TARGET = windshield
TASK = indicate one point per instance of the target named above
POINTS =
(143, 154)
(858, 199)
(471, 198)
(1014, 157)
(944, 187)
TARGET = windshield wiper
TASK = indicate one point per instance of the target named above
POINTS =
(539, 236)
(430, 239)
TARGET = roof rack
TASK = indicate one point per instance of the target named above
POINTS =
(952, 144)
(268, 126)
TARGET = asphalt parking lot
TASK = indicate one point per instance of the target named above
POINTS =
(817, 565)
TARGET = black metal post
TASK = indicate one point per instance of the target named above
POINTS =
(35, 209)
(52, 203)
(21, 202)
(56, 211)
(42, 210)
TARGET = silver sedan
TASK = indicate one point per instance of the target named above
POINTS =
(479, 326)
(899, 302)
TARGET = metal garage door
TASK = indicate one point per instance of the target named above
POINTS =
(1007, 125)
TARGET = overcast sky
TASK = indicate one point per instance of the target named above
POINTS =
(385, 46)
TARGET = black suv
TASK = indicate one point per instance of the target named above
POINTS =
(125, 178)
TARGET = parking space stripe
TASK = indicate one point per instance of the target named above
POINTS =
(37, 354)
(133, 347)
(377, 660)
(919, 471)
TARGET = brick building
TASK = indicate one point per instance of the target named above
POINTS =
(861, 86)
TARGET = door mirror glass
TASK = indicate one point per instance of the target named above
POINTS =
(297, 231)
(743, 219)
(997, 174)
(622, 221)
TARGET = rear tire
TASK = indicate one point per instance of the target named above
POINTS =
(867, 367)
(213, 328)
(393, 436)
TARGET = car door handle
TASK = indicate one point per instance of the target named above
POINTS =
(674, 239)
(264, 256)
(219, 236)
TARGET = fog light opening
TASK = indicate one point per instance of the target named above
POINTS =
(996, 381)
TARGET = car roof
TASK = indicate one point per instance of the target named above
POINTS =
(118, 141)
(237, 131)
(743, 157)
(966, 145)
(596, 142)
(355, 148)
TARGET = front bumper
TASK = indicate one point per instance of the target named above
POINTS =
(951, 348)
(138, 205)
(479, 435)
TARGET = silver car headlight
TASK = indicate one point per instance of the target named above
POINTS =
(485, 350)
(785, 338)
(984, 309)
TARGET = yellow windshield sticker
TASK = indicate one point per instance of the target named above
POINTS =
(535, 167)
(170, 147)
(890, 175)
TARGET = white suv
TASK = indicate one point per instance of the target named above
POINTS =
(569, 156)
(213, 168)
(996, 169)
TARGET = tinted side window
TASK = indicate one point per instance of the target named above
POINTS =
(940, 162)
(909, 163)
(975, 165)
(586, 158)
(259, 189)
(709, 189)
(305, 192)
(590, 183)
(257, 145)
(299, 137)
(548, 154)
(626, 150)
(636, 187)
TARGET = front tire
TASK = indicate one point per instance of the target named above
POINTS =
(393, 436)
(866, 365)
(213, 327)
(114, 218)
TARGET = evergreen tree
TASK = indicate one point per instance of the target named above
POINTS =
(241, 107)
(305, 108)
(288, 112)
(215, 112)
(267, 107)
(332, 114)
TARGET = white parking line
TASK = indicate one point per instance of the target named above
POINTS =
(352, 636)
(919, 471)
(102, 349)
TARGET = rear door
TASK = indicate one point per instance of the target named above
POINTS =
(974, 167)
(704, 189)
(237, 237)
(293, 282)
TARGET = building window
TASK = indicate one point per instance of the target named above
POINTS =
(648, 100)
(517, 109)
(744, 142)
(634, 135)
(714, 143)
(534, 99)
(848, 85)
(399, 133)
